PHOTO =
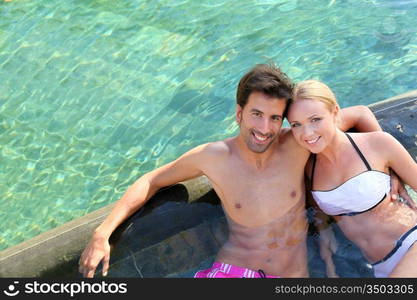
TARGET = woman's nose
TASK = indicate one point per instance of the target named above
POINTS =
(307, 131)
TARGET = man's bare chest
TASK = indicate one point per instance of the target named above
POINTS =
(258, 197)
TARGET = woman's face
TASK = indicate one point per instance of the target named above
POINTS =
(312, 123)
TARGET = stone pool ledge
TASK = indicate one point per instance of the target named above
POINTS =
(55, 247)
(398, 116)
(401, 99)
(56, 252)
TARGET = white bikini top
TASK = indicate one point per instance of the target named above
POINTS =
(356, 195)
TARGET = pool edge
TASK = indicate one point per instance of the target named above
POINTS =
(64, 244)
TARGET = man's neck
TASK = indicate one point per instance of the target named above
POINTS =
(257, 160)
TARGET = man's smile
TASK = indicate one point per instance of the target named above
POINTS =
(260, 138)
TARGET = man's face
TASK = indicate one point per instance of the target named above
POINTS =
(260, 120)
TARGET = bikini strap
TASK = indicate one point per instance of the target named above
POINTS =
(312, 171)
(359, 152)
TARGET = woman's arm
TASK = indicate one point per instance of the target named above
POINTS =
(324, 231)
(325, 236)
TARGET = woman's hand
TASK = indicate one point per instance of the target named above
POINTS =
(328, 246)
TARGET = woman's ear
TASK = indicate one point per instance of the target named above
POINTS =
(337, 116)
(336, 109)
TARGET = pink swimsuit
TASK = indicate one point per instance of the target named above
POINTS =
(222, 270)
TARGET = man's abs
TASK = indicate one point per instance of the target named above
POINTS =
(277, 248)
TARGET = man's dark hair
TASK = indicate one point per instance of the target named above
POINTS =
(265, 78)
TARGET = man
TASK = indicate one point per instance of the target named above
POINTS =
(259, 178)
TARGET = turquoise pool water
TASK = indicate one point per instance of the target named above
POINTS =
(95, 93)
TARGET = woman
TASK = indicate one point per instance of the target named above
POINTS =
(349, 180)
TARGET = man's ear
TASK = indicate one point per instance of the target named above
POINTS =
(238, 113)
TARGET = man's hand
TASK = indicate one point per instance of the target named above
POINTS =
(98, 249)
(399, 192)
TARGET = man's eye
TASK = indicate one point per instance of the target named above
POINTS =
(316, 119)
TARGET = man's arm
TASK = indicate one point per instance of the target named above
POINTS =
(359, 117)
(399, 159)
(399, 192)
(98, 249)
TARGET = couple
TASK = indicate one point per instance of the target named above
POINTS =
(259, 178)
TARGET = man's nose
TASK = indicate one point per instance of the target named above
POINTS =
(264, 126)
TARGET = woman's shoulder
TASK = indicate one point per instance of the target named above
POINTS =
(372, 137)
(379, 141)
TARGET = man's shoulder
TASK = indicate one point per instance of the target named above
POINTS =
(217, 148)
(204, 155)
(287, 141)
(286, 137)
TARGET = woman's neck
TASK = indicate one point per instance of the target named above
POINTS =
(334, 151)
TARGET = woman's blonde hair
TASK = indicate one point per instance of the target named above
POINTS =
(315, 90)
